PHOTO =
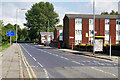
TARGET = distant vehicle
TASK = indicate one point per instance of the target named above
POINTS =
(46, 43)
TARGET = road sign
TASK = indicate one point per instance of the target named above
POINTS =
(10, 33)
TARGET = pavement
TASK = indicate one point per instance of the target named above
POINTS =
(10, 63)
(90, 54)
(48, 62)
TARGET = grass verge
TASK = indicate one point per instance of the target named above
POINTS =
(4, 45)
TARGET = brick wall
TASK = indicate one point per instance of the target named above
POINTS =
(113, 30)
(66, 31)
(85, 29)
(97, 27)
(71, 31)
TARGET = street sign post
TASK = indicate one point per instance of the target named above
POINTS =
(10, 33)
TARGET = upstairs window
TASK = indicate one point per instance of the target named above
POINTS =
(118, 21)
(78, 21)
(90, 21)
(107, 21)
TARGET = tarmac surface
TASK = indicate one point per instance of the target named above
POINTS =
(48, 62)
(25, 60)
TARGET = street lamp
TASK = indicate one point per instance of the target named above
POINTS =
(94, 27)
(16, 20)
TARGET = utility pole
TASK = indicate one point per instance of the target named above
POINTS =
(10, 40)
(94, 27)
(16, 20)
(16, 23)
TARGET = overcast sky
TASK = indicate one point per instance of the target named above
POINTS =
(8, 8)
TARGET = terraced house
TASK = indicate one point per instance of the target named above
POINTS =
(78, 26)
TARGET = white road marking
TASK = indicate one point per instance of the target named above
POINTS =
(103, 71)
(46, 73)
(34, 58)
(40, 64)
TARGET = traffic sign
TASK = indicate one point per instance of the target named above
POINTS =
(10, 33)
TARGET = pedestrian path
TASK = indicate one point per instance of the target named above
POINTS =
(10, 62)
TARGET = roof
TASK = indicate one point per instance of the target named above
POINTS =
(45, 33)
(91, 16)
(59, 28)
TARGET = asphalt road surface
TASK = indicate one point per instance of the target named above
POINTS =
(45, 62)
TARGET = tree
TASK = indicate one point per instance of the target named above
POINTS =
(8, 27)
(59, 26)
(111, 13)
(24, 34)
(104, 13)
(37, 18)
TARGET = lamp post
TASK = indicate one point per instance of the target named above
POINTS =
(16, 20)
(94, 27)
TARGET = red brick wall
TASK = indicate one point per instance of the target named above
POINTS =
(66, 31)
(71, 31)
(97, 27)
(102, 27)
(113, 30)
(57, 35)
(85, 29)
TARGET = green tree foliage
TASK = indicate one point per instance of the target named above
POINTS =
(104, 13)
(8, 27)
(37, 18)
(59, 26)
(24, 34)
(111, 13)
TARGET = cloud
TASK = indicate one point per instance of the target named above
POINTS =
(61, 11)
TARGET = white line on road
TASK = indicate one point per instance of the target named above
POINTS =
(34, 58)
(40, 64)
(46, 73)
(103, 71)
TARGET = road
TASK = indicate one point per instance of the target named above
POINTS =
(45, 62)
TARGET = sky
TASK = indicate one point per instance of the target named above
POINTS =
(8, 8)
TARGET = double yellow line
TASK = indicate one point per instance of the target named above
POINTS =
(29, 69)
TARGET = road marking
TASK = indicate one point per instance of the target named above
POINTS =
(103, 71)
(46, 73)
(34, 58)
(40, 64)
(25, 64)
(28, 63)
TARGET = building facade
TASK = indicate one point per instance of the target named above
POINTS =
(58, 34)
(78, 26)
(46, 37)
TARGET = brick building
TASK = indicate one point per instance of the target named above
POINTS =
(58, 34)
(44, 38)
(76, 26)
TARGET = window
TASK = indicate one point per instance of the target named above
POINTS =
(90, 21)
(106, 21)
(91, 31)
(107, 32)
(106, 41)
(43, 37)
(118, 21)
(78, 21)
